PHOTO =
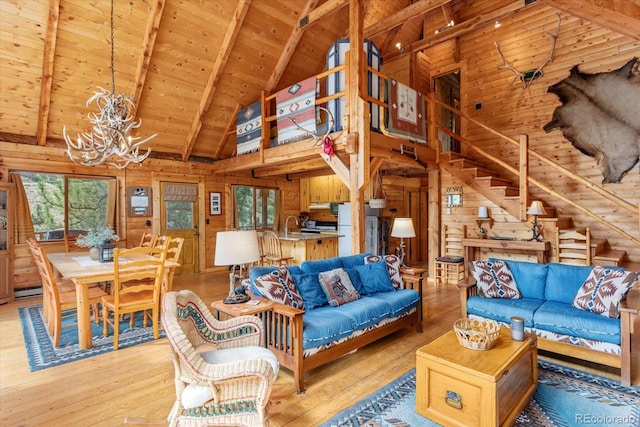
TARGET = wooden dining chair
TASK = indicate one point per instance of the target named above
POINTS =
(174, 250)
(135, 265)
(450, 265)
(573, 246)
(59, 298)
(148, 240)
(272, 250)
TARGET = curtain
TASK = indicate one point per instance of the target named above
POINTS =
(180, 192)
(278, 206)
(22, 215)
(112, 188)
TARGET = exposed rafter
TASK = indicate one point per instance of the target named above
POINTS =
(319, 13)
(416, 9)
(47, 70)
(218, 67)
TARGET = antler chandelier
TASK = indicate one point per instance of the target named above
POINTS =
(110, 140)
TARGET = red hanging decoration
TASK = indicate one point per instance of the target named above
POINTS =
(327, 146)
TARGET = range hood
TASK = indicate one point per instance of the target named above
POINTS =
(314, 206)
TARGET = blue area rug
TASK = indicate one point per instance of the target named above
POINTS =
(565, 397)
(42, 354)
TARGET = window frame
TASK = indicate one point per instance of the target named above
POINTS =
(264, 214)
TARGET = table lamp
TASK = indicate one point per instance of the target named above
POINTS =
(236, 248)
(536, 209)
(402, 227)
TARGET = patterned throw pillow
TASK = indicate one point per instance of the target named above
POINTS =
(338, 287)
(393, 267)
(494, 279)
(603, 290)
(278, 286)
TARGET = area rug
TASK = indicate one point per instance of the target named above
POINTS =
(42, 354)
(564, 397)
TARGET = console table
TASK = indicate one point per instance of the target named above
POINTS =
(472, 246)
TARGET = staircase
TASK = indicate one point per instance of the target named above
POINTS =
(506, 194)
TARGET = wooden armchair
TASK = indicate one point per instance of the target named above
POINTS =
(222, 374)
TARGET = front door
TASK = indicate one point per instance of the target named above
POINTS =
(179, 218)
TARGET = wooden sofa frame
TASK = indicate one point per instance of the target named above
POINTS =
(283, 335)
(629, 310)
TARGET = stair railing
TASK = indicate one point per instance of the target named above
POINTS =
(524, 177)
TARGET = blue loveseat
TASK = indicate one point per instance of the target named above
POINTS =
(306, 338)
(547, 292)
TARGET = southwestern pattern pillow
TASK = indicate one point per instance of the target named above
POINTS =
(278, 286)
(603, 290)
(393, 268)
(337, 285)
(494, 279)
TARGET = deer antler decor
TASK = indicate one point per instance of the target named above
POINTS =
(528, 76)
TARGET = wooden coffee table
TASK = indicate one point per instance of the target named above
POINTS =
(456, 386)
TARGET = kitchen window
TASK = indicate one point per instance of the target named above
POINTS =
(255, 207)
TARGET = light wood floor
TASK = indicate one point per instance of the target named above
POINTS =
(135, 385)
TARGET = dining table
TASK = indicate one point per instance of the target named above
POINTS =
(84, 271)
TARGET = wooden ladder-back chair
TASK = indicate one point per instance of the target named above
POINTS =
(145, 267)
(147, 240)
(174, 249)
(59, 298)
(272, 250)
(218, 365)
(573, 246)
(450, 265)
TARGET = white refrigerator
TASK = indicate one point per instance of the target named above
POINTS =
(371, 226)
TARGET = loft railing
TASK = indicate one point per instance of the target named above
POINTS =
(522, 171)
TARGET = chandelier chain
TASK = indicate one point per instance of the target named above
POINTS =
(113, 67)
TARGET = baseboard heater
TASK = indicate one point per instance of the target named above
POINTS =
(27, 292)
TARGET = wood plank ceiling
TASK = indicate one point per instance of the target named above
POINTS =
(191, 64)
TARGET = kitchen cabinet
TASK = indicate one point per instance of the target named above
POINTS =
(322, 189)
(6, 243)
(305, 247)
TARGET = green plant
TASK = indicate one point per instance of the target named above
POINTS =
(97, 237)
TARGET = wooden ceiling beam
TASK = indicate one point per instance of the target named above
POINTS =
(46, 80)
(321, 12)
(228, 42)
(228, 131)
(416, 9)
(462, 28)
(148, 43)
(289, 49)
(621, 16)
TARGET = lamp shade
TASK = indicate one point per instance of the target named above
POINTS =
(236, 247)
(483, 212)
(536, 208)
(403, 227)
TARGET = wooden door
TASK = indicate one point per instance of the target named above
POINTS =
(179, 218)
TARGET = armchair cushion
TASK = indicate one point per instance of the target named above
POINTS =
(195, 395)
(337, 285)
(603, 290)
(494, 279)
(279, 286)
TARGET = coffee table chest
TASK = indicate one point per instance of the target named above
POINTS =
(456, 386)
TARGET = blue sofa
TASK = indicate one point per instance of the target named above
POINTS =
(547, 292)
(304, 339)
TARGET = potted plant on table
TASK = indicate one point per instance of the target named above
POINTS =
(96, 237)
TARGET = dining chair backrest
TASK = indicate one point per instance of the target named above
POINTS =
(143, 271)
(160, 241)
(272, 249)
(148, 240)
(70, 242)
(51, 295)
(573, 246)
(174, 249)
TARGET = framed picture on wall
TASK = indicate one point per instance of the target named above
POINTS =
(215, 204)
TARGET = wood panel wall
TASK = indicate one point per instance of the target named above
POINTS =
(514, 110)
(53, 160)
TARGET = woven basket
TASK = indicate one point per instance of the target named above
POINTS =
(477, 334)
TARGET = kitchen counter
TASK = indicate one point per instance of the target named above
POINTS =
(308, 246)
(297, 236)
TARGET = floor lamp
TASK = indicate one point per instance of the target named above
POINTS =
(236, 248)
(402, 227)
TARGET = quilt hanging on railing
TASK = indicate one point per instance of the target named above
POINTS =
(296, 102)
(249, 128)
(406, 115)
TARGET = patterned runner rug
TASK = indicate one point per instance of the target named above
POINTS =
(42, 354)
(565, 397)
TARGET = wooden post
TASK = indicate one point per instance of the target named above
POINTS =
(524, 176)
